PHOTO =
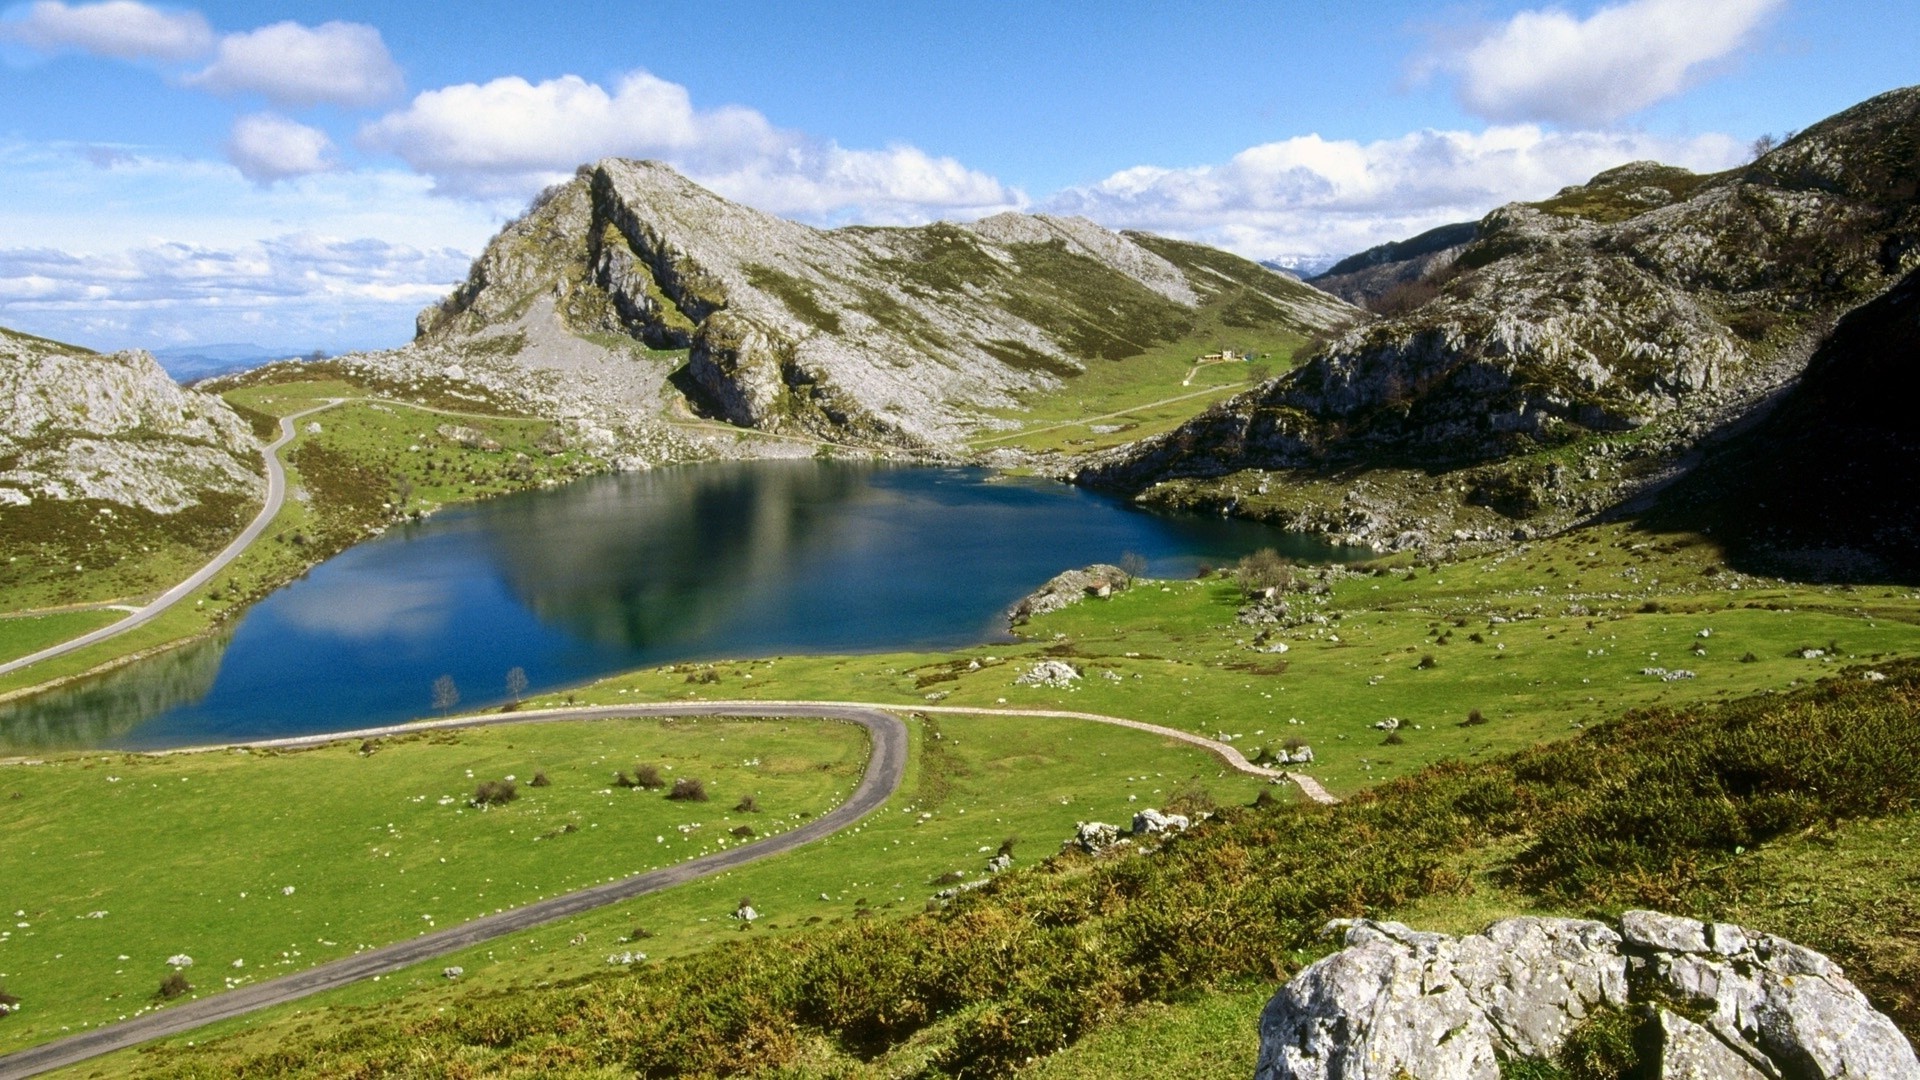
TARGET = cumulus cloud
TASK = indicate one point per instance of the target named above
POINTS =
(295, 290)
(511, 136)
(266, 147)
(1548, 65)
(338, 63)
(123, 29)
(1309, 195)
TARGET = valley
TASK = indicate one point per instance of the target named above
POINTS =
(1594, 592)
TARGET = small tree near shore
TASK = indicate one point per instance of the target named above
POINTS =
(1262, 570)
(516, 683)
(445, 694)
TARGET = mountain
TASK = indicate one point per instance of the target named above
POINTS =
(113, 428)
(1371, 275)
(188, 363)
(1578, 352)
(901, 337)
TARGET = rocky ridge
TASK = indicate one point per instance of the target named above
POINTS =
(1704, 1002)
(1579, 352)
(1367, 277)
(888, 337)
(114, 427)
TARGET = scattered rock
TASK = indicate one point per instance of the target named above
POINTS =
(1054, 673)
(999, 864)
(1151, 822)
(453, 972)
(1391, 723)
(467, 437)
(1399, 1002)
(1094, 837)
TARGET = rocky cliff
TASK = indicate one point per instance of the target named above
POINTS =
(1578, 352)
(78, 425)
(889, 336)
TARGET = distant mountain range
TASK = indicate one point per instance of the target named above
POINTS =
(188, 363)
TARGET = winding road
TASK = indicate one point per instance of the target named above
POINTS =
(276, 497)
(886, 767)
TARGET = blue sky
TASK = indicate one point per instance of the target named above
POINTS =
(308, 176)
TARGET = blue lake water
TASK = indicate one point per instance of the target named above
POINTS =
(616, 572)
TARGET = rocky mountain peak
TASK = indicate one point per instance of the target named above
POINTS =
(901, 336)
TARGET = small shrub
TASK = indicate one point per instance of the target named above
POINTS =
(540, 780)
(747, 805)
(1266, 801)
(648, 776)
(1203, 571)
(640, 933)
(1263, 570)
(1006, 846)
(1191, 798)
(621, 779)
(743, 832)
(687, 789)
(1651, 607)
(1477, 638)
(173, 986)
(1393, 739)
(1602, 1047)
(494, 793)
(707, 677)
(1474, 718)
(1295, 745)
(1749, 658)
(951, 877)
(1428, 663)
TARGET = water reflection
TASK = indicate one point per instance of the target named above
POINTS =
(741, 559)
(100, 710)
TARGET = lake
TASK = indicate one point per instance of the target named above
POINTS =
(698, 562)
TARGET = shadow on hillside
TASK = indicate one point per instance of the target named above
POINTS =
(1825, 487)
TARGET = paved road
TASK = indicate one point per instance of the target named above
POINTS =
(276, 495)
(886, 766)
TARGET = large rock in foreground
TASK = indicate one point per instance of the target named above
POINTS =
(1708, 1000)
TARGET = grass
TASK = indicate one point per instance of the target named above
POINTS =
(23, 634)
(987, 779)
(283, 860)
(1698, 810)
(1117, 401)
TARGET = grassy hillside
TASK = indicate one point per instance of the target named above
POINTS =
(281, 860)
(1710, 810)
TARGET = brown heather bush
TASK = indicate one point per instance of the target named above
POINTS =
(539, 780)
(1474, 718)
(648, 777)
(173, 986)
(494, 793)
(687, 789)
(747, 805)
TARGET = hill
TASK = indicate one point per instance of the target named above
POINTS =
(631, 291)
(1579, 352)
(108, 465)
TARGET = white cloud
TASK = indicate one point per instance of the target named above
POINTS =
(266, 147)
(1548, 65)
(338, 62)
(510, 137)
(1309, 195)
(122, 29)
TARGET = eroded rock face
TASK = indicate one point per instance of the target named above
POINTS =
(81, 425)
(1401, 1003)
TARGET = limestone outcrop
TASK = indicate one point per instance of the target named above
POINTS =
(1070, 587)
(115, 427)
(1707, 1001)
